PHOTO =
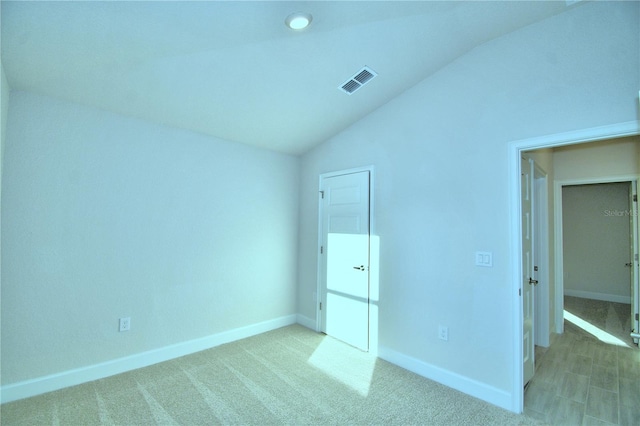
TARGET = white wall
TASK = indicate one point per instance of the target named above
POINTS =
(596, 246)
(4, 99)
(440, 152)
(106, 217)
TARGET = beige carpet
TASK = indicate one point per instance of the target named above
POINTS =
(288, 376)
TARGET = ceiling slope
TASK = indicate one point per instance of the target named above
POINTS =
(233, 70)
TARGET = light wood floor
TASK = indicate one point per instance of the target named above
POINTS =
(580, 379)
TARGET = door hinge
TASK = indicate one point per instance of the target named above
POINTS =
(320, 305)
(637, 317)
(519, 292)
(321, 249)
(322, 194)
(635, 197)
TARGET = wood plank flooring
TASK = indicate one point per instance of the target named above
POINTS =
(583, 380)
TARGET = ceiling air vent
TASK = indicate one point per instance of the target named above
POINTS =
(363, 76)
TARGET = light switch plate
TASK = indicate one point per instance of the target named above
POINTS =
(125, 324)
(484, 258)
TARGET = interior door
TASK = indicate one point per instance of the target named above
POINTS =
(345, 250)
(541, 256)
(635, 235)
(527, 269)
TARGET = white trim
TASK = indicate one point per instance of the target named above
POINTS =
(541, 229)
(635, 290)
(334, 173)
(515, 149)
(514, 163)
(305, 321)
(480, 390)
(604, 179)
(52, 382)
(559, 258)
(598, 296)
(612, 131)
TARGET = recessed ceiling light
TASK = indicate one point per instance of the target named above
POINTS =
(298, 21)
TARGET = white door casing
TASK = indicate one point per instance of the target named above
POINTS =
(528, 358)
(635, 264)
(516, 148)
(345, 257)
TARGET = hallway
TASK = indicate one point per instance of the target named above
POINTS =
(582, 379)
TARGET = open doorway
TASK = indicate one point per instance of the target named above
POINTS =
(517, 149)
(595, 228)
(598, 251)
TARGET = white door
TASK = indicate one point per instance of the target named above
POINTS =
(345, 253)
(541, 257)
(635, 236)
(527, 269)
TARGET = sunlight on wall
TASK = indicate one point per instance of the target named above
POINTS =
(592, 329)
(344, 363)
(347, 311)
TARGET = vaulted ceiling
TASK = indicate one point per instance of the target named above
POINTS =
(233, 70)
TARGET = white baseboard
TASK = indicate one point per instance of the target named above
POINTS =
(306, 322)
(490, 394)
(40, 385)
(598, 296)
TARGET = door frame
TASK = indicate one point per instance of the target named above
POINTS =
(515, 150)
(373, 255)
(541, 253)
(559, 248)
(635, 273)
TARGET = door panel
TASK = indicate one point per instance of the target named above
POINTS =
(346, 239)
(527, 269)
(344, 223)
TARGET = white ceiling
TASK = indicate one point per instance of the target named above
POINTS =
(233, 69)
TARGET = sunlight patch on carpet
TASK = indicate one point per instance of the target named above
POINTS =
(344, 363)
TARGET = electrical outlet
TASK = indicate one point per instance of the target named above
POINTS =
(443, 332)
(125, 324)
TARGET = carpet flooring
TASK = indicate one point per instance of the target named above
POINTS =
(287, 376)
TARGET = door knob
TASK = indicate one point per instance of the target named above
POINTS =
(628, 265)
(532, 281)
(360, 268)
